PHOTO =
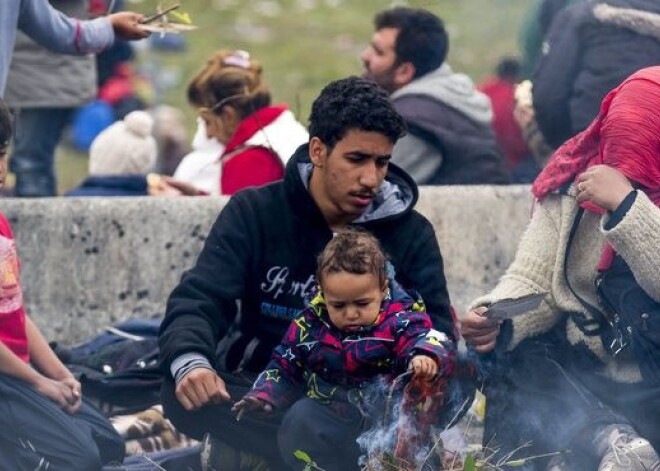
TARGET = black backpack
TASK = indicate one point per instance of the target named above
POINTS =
(119, 369)
(630, 319)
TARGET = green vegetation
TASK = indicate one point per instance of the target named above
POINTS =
(303, 44)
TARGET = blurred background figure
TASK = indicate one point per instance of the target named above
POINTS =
(500, 88)
(590, 49)
(235, 105)
(449, 140)
(120, 159)
(534, 28)
(201, 167)
(172, 137)
(44, 89)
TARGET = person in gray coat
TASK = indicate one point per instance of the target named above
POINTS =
(45, 86)
(449, 140)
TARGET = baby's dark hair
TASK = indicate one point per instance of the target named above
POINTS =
(353, 250)
(5, 125)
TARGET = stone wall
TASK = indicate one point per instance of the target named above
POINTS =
(90, 262)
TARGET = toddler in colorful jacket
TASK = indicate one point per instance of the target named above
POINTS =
(351, 333)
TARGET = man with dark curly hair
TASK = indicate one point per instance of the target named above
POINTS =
(232, 308)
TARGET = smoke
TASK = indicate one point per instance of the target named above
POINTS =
(395, 436)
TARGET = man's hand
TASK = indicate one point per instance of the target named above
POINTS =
(423, 366)
(251, 404)
(479, 331)
(603, 186)
(127, 25)
(200, 387)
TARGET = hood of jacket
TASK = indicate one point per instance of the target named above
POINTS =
(640, 16)
(273, 127)
(397, 195)
(453, 89)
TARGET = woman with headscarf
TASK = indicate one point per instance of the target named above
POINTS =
(256, 138)
(557, 383)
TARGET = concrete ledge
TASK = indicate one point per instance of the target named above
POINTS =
(90, 262)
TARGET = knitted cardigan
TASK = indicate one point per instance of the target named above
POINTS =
(539, 267)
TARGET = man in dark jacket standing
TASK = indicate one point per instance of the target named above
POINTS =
(450, 140)
(258, 265)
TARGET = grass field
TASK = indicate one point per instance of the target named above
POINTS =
(303, 44)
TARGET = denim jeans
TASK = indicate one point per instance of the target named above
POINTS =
(38, 131)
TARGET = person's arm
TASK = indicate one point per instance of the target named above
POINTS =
(555, 75)
(60, 33)
(281, 381)
(46, 362)
(631, 224)
(532, 271)
(59, 392)
(416, 337)
(42, 356)
(204, 304)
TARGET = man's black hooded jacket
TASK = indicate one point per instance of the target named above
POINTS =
(259, 259)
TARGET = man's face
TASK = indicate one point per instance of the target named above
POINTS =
(347, 178)
(380, 61)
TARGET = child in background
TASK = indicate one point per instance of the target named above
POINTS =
(44, 421)
(120, 159)
(351, 332)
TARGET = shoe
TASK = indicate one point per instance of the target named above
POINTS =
(216, 455)
(622, 449)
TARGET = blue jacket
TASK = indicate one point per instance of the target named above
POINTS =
(112, 185)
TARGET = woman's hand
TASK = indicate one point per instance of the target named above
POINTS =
(603, 186)
(163, 185)
(479, 331)
(423, 366)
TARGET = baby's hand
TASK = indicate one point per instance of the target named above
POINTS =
(423, 366)
(251, 404)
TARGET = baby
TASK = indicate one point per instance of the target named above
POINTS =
(351, 332)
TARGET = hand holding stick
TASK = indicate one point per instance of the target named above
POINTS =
(153, 18)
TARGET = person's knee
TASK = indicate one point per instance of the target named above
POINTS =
(299, 430)
(85, 456)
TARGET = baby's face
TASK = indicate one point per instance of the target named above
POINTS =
(353, 301)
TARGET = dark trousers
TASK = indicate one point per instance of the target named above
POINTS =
(327, 436)
(255, 433)
(541, 394)
(38, 131)
(309, 426)
(35, 434)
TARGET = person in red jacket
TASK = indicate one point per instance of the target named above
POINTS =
(501, 90)
(235, 105)
(45, 423)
